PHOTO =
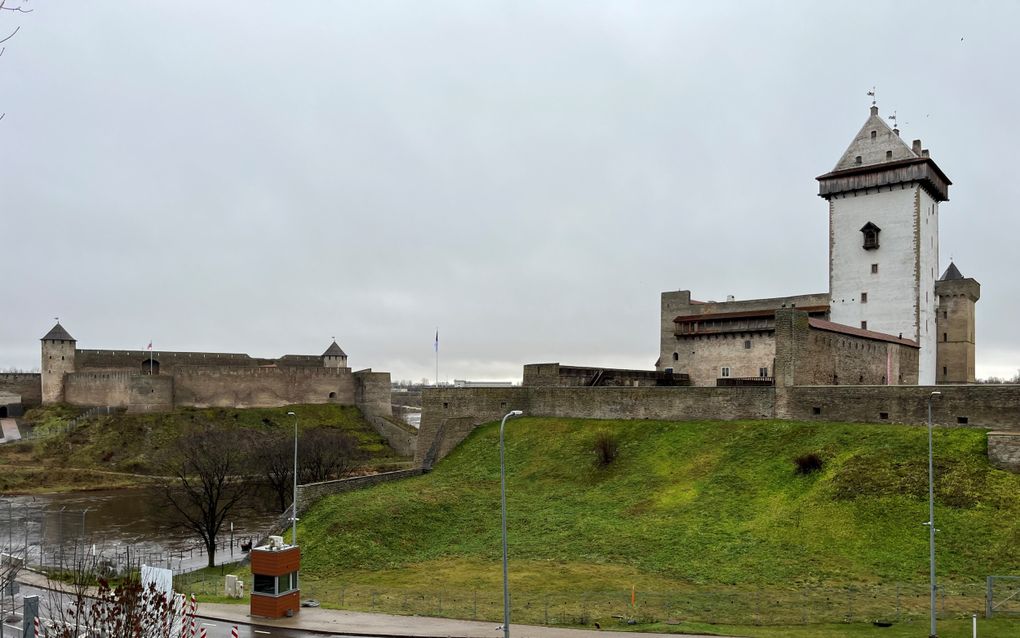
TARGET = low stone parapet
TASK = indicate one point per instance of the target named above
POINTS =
(1004, 450)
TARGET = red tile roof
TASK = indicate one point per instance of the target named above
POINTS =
(821, 324)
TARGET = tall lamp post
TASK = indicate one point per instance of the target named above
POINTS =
(293, 505)
(931, 516)
(502, 500)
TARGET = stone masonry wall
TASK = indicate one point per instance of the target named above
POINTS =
(982, 406)
(449, 415)
(310, 493)
(1004, 450)
(136, 392)
(26, 384)
(242, 387)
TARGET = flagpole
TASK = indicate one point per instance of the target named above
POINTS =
(437, 356)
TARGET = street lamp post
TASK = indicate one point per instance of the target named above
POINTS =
(293, 505)
(502, 500)
(931, 516)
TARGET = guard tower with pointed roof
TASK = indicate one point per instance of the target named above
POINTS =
(334, 356)
(955, 324)
(883, 237)
(58, 349)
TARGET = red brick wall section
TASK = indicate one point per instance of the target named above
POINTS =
(275, 606)
(275, 562)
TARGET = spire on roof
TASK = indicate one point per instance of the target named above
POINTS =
(952, 273)
(875, 143)
(334, 351)
(57, 333)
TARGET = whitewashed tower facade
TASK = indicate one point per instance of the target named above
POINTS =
(884, 238)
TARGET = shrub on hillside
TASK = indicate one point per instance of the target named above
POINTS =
(606, 448)
(808, 463)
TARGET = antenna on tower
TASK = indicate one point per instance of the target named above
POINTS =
(871, 94)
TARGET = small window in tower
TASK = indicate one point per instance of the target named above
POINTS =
(676, 356)
(864, 325)
(874, 269)
(874, 134)
(725, 372)
(945, 315)
(864, 297)
(857, 160)
(945, 337)
(763, 372)
(747, 344)
(945, 371)
(870, 232)
(888, 154)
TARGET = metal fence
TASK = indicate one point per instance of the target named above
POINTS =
(807, 605)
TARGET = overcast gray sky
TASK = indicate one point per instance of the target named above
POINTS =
(527, 176)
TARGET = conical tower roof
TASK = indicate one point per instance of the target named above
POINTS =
(952, 273)
(875, 143)
(334, 351)
(57, 333)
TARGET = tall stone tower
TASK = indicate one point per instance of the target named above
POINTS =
(955, 326)
(334, 357)
(884, 237)
(57, 360)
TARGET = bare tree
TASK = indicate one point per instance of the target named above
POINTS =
(323, 454)
(5, 5)
(276, 465)
(207, 483)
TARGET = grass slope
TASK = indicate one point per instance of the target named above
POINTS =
(114, 450)
(686, 507)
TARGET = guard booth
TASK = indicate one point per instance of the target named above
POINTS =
(274, 569)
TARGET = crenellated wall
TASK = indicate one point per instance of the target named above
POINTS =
(242, 387)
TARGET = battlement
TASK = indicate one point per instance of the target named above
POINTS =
(260, 371)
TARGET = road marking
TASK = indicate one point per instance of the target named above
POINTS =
(208, 624)
(261, 632)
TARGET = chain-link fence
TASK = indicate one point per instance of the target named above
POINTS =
(807, 605)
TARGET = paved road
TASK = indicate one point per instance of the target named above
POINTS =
(214, 628)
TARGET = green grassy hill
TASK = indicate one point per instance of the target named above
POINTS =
(108, 451)
(684, 508)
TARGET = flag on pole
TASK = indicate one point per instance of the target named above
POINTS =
(437, 339)
(150, 345)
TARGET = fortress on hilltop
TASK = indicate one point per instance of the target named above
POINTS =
(870, 349)
(887, 318)
(146, 381)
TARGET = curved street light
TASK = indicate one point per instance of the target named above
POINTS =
(502, 499)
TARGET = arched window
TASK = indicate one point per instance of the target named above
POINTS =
(870, 232)
(150, 366)
(676, 356)
(332, 395)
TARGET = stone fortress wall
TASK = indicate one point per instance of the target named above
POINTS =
(28, 385)
(450, 414)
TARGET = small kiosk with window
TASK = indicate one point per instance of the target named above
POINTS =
(274, 568)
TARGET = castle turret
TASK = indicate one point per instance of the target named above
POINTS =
(957, 296)
(334, 357)
(883, 237)
(57, 360)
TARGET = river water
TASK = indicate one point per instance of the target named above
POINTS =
(122, 526)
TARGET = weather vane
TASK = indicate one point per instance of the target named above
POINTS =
(893, 118)
(871, 94)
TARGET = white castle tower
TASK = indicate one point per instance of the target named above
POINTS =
(884, 238)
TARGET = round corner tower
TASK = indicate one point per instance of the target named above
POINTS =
(884, 238)
(58, 349)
